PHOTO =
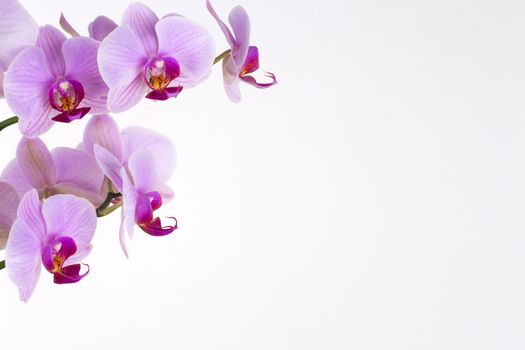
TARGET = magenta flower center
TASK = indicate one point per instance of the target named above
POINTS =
(64, 96)
(55, 254)
(147, 203)
(159, 73)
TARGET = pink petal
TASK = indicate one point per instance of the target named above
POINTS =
(109, 165)
(101, 27)
(80, 55)
(35, 163)
(67, 215)
(142, 20)
(190, 44)
(102, 130)
(96, 198)
(123, 97)
(28, 80)
(129, 195)
(121, 57)
(231, 79)
(25, 244)
(161, 148)
(142, 168)
(122, 235)
(78, 168)
(9, 201)
(1, 81)
(241, 29)
(229, 36)
(39, 125)
(12, 175)
(18, 30)
(66, 26)
(50, 40)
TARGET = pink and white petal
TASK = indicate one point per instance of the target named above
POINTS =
(190, 44)
(121, 57)
(1, 82)
(95, 198)
(9, 201)
(50, 40)
(123, 97)
(142, 168)
(12, 176)
(77, 167)
(109, 165)
(103, 130)
(229, 36)
(26, 84)
(36, 163)
(79, 255)
(66, 26)
(122, 234)
(80, 56)
(240, 23)
(39, 125)
(67, 215)
(142, 20)
(18, 30)
(231, 79)
(129, 205)
(101, 27)
(161, 148)
(165, 191)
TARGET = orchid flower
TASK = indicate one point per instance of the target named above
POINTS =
(147, 54)
(63, 170)
(8, 204)
(138, 162)
(98, 29)
(58, 80)
(242, 59)
(56, 233)
(18, 30)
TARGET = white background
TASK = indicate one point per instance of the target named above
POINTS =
(374, 199)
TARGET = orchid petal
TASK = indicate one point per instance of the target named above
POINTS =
(129, 195)
(160, 147)
(26, 86)
(77, 167)
(101, 27)
(229, 36)
(50, 40)
(142, 20)
(37, 126)
(109, 165)
(2, 74)
(25, 244)
(12, 175)
(9, 201)
(18, 30)
(80, 56)
(66, 26)
(96, 198)
(240, 23)
(123, 97)
(121, 57)
(190, 44)
(35, 163)
(67, 215)
(231, 79)
(122, 235)
(103, 130)
(141, 166)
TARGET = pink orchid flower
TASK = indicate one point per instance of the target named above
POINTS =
(243, 59)
(56, 233)
(98, 29)
(58, 80)
(138, 162)
(61, 171)
(18, 30)
(9, 201)
(147, 54)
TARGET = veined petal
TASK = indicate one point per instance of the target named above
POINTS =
(66, 26)
(25, 244)
(142, 20)
(121, 57)
(12, 175)
(129, 196)
(95, 198)
(161, 148)
(67, 215)
(240, 23)
(2, 74)
(9, 201)
(142, 168)
(39, 125)
(231, 79)
(26, 85)
(18, 30)
(190, 44)
(101, 27)
(229, 36)
(103, 130)
(123, 97)
(78, 168)
(50, 40)
(109, 165)
(35, 163)
(80, 55)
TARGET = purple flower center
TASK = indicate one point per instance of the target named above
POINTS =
(146, 204)
(55, 253)
(64, 96)
(159, 73)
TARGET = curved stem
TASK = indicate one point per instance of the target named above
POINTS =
(2, 264)
(102, 210)
(9, 121)
(221, 56)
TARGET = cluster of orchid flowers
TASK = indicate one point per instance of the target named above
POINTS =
(50, 199)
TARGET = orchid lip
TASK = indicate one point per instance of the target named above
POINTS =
(55, 254)
(146, 204)
(251, 64)
(65, 96)
(159, 73)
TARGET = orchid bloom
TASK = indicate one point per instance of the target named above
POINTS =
(63, 170)
(58, 80)
(98, 29)
(9, 201)
(18, 30)
(138, 162)
(56, 233)
(152, 58)
(242, 59)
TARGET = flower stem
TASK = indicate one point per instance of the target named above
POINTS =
(221, 56)
(104, 209)
(9, 121)
(2, 264)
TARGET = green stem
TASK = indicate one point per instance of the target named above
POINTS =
(2, 264)
(221, 56)
(107, 211)
(103, 209)
(9, 121)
